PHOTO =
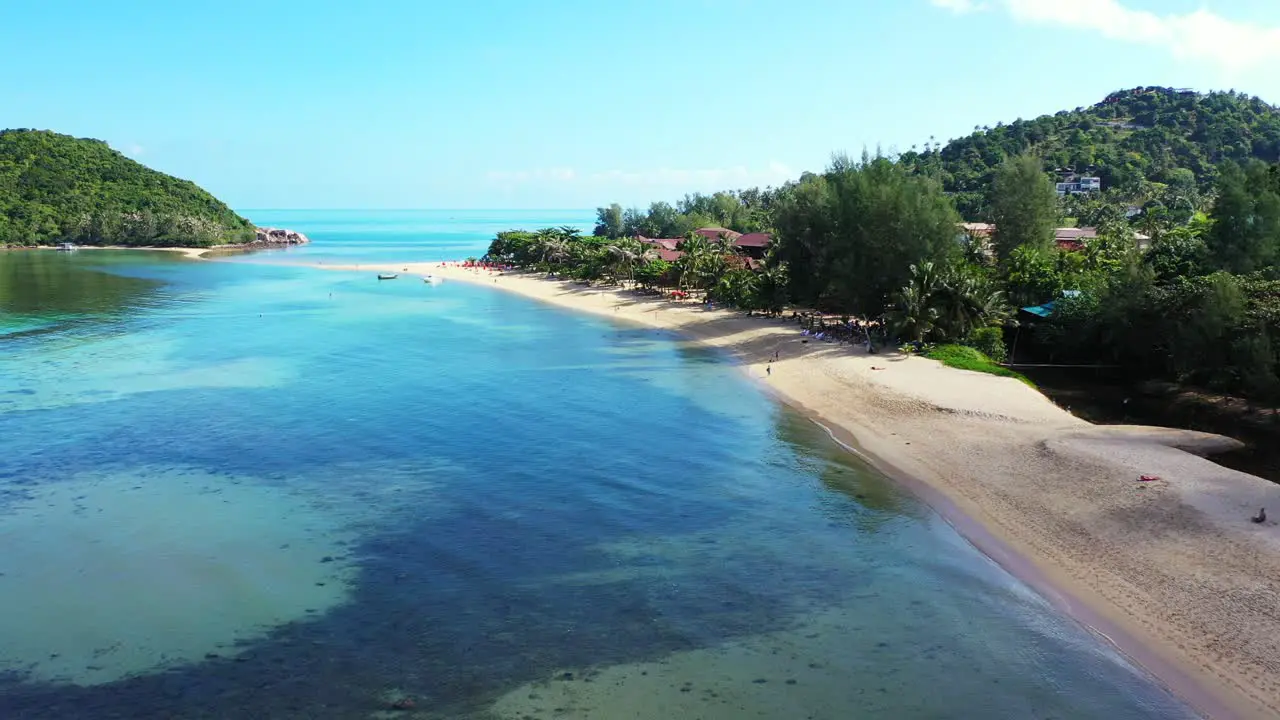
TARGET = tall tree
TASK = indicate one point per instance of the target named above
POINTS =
(1246, 231)
(609, 222)
(1024, 205)
(633, 222)
(663, 221)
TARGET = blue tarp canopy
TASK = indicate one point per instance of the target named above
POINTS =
(1043, 311)
(1046, 309)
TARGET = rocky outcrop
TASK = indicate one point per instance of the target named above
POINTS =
(279, 236)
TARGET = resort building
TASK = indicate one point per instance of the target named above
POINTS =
(715, 233)
(751, 246)
(979, 234)
(754, 245)
(1073, 239)
(663, 243)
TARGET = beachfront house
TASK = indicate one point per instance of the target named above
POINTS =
(754, 245)
(715, 233)
(750, 246)
(1073, 239)
(661, 243)
(979, 235)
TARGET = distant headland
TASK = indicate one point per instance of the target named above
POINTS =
(57, 189)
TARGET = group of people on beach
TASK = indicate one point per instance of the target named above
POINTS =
(480, 265)
(845, 330)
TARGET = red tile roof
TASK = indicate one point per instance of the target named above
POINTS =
(1073, 238)
(978, 229)
(757, 239)
(1075, 234)
(669, 255)
(668, 243)
(711, 233)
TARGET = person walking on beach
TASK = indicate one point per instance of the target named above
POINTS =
(768, 370)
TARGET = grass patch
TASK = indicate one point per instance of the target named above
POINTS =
(966, 358)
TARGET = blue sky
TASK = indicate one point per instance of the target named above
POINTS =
(568, 103)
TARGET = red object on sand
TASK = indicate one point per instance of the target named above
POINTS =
(1148, 478)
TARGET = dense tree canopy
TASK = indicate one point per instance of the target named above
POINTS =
(851, 235)
(56, 188)
(1201, 306)
(743, 211)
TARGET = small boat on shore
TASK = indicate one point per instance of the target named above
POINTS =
(387, 276)
(67, 247)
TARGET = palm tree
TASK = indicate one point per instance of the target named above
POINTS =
(622, 261)
(913, 315)
(966, 302)
(702, 262)
(946, 305)
(551, 248)
(773, 286)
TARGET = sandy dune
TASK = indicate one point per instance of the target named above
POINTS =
(1172, 571)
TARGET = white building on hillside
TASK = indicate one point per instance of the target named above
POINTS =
(1078, 185)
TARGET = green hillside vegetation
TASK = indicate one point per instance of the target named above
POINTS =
(56, 188)
(1155, 149)
(876, 239)
(1145, 144)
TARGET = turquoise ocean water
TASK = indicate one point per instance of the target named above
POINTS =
(233, 490)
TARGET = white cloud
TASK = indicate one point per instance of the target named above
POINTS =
(959, 7)
(1200, 36)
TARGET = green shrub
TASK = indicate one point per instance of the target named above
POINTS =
(990, 342)
(967, 358)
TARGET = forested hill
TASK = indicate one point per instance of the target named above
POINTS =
(57, 188)
(1132, 139)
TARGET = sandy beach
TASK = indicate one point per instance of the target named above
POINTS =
(1172, 571)
(193, 253)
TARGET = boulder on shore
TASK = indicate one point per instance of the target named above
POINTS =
(280, 236)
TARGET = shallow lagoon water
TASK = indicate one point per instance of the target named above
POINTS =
(513, 511)
(198, 563)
